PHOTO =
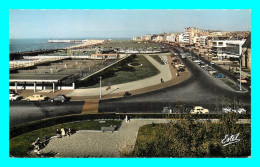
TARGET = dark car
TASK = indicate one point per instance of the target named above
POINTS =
(61, 98)
(127, 94)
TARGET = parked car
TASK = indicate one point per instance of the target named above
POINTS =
(212, 63)
(219, 75)
(167, 110)
(243, 81)
(36, 97)
(199, 110)
(227, 109)
(61, 98)
(239, 110)
(14, 97)
(127, 94)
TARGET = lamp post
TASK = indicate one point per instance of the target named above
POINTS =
(100, 88)
(240, 57)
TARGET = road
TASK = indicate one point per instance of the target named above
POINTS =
(200, 89)
(22, 111)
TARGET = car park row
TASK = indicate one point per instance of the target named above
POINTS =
(202, 110)
(38, 97)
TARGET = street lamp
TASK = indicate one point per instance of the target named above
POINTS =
(100, 87)
(240, 58)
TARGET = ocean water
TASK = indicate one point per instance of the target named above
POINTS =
(21, 45)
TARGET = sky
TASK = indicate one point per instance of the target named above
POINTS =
(120, 23)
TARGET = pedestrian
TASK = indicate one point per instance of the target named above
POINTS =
(62, 132)
(58, 133)
(69, 132)
(126, 118)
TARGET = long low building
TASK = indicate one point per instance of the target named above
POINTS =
(38, 82)
(104, 56)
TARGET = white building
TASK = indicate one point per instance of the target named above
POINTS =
(186, 37)
(170, 38)
(180, 38)
(159, 38)
(203, 40)
(227, 48)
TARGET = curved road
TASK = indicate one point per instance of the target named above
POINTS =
(199, 89)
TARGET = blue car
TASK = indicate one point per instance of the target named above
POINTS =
(219, 75)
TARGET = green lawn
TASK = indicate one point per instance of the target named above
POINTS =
(124, 75)
(230, 84)
(129, 44)
(186, 139)
(157, 58)
(19, 145)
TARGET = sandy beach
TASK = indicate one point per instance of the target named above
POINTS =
(87, 43)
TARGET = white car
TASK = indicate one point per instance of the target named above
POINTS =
(227, 110)
(199, 110)
(14, 97)
(239, 110)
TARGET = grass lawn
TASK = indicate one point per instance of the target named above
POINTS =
(157, 58)
(123, 76)
(19, 145)
(191, 140)
(230, 84)
(129, 44)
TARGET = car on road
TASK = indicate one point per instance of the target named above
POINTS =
(227, 109)
(167, 110)
(199, 110)
(127, 94)
(60, 98)
(197, 61)
(239, 110)
(212, 63)
(36, 97)
(219, 75)
(14, 97)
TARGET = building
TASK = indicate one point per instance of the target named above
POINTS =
(203, 40)
(104, 56)
(146, 38)
(186, 37)
(227, 48)
(159, 38)
(170, 38)
(246, 55)
(137, 39)
(180, 38)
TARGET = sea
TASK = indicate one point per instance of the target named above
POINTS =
(23, 45)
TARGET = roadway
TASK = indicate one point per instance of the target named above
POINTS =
(22, 111)
(199, 89)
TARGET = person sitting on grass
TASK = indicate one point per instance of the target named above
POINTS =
(68, 132)
(63, 134)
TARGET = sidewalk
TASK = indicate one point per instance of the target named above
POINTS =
(97, 143)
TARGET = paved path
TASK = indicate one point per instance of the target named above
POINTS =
(165, 73)
(99, 144)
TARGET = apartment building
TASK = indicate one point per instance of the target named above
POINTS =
(227, 48)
